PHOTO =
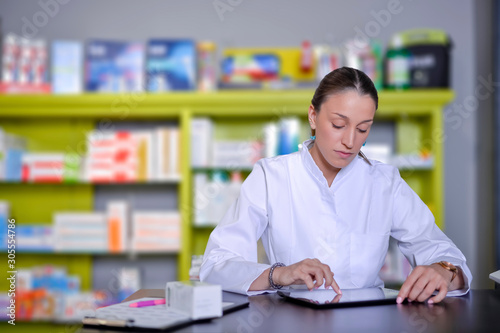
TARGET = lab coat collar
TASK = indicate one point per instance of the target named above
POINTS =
(314, 169)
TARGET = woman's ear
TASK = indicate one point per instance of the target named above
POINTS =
(311, 115)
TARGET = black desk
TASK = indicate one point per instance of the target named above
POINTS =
(479, 311)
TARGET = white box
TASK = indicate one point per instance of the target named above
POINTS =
(202, 130)
(495, 276)
(67, 60)
(198, 300)
(235, 154)
(167, 162)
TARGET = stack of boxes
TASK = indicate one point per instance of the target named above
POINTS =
(156, 231)
(112, 157)
(117, 230)
(80, 232)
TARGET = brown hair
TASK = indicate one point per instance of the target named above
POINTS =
(340, 80)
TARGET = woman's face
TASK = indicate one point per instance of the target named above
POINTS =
(342, 126)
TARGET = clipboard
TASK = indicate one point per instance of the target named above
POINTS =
(122, 317)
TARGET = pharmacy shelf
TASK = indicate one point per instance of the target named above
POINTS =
(213, 169)
(95, 253)
(172, 181)
(71, 116)
(205, 226)
(256, 103)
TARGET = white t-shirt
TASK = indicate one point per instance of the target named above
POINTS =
(286, 200)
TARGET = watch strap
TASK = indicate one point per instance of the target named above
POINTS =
(449, 266)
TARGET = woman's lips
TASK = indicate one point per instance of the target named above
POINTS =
(343, 154)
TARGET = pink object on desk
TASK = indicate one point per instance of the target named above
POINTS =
(147, 303)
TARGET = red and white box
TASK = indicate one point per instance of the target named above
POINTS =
(42, 167)
(156, 231)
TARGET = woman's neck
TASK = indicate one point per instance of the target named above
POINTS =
(329, 171)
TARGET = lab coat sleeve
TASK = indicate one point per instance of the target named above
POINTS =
(230, 258)
(418, 236)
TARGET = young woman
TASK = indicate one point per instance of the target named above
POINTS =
(325, 213)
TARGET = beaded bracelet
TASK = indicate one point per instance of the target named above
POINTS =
(271, 283)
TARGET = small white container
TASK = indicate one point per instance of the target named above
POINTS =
(198, 300)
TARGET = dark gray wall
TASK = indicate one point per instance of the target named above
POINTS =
(285, 23)
(485, 147)
(496, 68)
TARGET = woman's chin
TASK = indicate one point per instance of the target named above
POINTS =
(339, 164)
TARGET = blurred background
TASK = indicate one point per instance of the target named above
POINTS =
(127, 127)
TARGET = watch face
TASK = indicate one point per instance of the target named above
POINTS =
(448, 265)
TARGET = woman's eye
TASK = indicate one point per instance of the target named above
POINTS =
(335, 126)
(362, 131)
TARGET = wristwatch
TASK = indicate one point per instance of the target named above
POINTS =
(449, 266)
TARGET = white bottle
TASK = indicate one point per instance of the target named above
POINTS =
(270, 140)
(194, 271)
(218, 192)
(201, 199)
(233, 190)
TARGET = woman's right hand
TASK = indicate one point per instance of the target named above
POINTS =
(310, 272)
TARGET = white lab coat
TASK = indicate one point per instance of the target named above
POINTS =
(287, 202)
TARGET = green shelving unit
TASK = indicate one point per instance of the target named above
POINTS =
(59, 123)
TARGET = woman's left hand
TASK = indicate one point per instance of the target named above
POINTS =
(423, 281)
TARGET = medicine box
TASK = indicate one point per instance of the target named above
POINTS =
(171, 65)
(114, 66)
(196, 299)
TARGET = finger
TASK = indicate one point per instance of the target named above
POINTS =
(418, 288)
(336, 287)
(443, 290)
(308, 281)
(314, 268)
(328, 275)
(427, 292)
(407, 285)
(425, 285)
(337, 298)
(318, 276)
(405, 289)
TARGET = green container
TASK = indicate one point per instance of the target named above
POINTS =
(397, 65)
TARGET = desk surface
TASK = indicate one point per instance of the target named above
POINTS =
(479, 311)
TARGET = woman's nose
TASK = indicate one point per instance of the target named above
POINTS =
(348, 139)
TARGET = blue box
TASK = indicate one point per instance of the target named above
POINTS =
(4, 220)
(171, 65)
(112, 66)
(35, 238)
(13, 165)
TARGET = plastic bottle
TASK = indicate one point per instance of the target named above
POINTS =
(25, 62)
(9, 59)
(233, 190)
(218, 202)
(376, 49)
(289, 135)
(201, 199)
(270, 140)
(398, 65)
(306, 57)
(194, 271)
(207, 80)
